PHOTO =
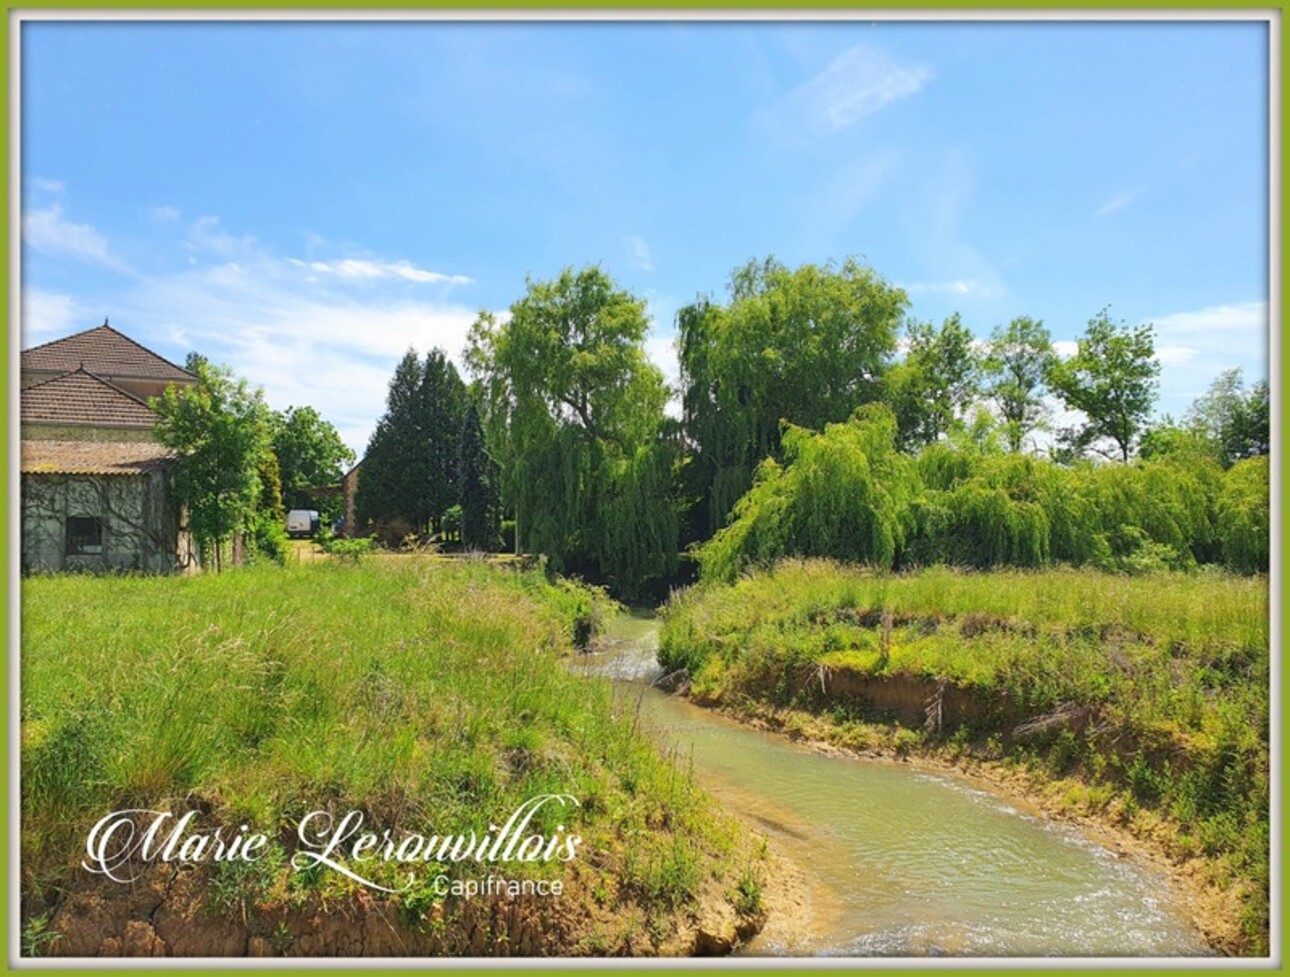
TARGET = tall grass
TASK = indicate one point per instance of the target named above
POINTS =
(427, 694)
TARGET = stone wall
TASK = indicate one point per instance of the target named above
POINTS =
(140, 529)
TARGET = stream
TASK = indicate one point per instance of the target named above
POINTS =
(900, 861)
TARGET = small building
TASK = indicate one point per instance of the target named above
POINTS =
(97, 486)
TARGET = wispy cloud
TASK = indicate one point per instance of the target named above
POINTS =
(859, 82)
(357, 269)
(1193, 347)
(958, 286)
(48, 315)
(933, 229)
(638, 250)
(49, 186)
(1175, 355)
(1116, 203)
(164, 214)
(49, 232)
(207, 235)
(1218, 325)
(327, 333)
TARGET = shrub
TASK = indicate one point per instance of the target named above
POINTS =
(1241, 515)
(349, 550)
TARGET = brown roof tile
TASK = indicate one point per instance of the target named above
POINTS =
(93, 457)
(103, 351)
(80, 398)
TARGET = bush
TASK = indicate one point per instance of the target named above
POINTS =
(268, 538)
(847, 494)
(1241, 512)
(349, 550)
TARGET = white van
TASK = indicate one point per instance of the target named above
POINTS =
(302, 523)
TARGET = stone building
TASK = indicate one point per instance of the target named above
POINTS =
(96, 483)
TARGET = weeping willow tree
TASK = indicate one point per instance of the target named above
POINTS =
(844, 493)
(983, 512)
(1242, 512)
(803, 346)
(848, 494)
(574, 418)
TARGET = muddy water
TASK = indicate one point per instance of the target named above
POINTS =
(903, 862)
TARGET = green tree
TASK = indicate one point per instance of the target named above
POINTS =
(477, 493)
(311, 455)
(392, 472)
(1166, 438)
(932, 387)
(1017, 361)
(442, 406)
(1112, 379)
(575, 418)
(220, 428)
(410, 468)
(1236, 420)
(804, 346)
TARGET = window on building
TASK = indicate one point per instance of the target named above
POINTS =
(84, 535)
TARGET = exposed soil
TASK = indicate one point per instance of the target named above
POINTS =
(168, 913)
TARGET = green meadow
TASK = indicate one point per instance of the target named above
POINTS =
(429, 694)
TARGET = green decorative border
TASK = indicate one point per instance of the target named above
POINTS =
(627, 11)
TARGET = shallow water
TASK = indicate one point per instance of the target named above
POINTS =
(901, 861)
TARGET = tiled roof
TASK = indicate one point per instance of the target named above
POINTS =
(80, 397)
(93, 457)
(103, 351)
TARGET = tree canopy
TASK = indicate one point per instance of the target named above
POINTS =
(1112, 379)
(575, 416)
(804, 346)
(220, 428)
(934, 384)
(311, 455)
(1234, 419)
(1018, 360)
(409, 478)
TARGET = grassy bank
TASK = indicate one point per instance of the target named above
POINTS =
(427, 694)
(1146, 696)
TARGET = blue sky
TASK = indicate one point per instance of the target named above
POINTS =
(306, 201)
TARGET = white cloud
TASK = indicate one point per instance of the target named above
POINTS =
(859, 82)
(1175, 355)
(49, 315)
(1195, 346)
(164, 214)
(364, 270)
(660, 348)
(638, 250)
(1066, 347)
(1116, 203)
(327, 340)
(326, 333)
(47, 231)
(932, 228)
(959, 286)
(206, 235)
(49, 186)
(1219, 324)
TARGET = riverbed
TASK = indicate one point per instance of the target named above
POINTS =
(901, 861)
